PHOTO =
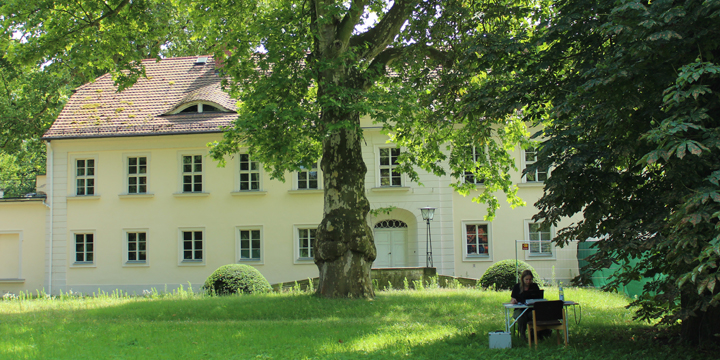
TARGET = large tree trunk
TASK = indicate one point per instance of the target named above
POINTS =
(704, 327)
(345, 249)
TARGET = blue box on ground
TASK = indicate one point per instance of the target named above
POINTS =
(500, 340)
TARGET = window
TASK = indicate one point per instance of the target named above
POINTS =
(136, 247)
(190, 109)
(389, 176)
(249, 245)
(249, 174)
(540, 237)
(192, 246)
(308, 178)
(538, 175)
(84, 248)
(306, 243)
(137, 175)
(10, 253)
(192, 173)
(477, 240)
(85, 177)
(469, 176)
(199, 108)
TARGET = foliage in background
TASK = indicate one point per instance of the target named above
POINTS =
(30, 99)
(325, 64)
(627, 92)
(18, 170)
(321, 66)
(503, 275)
(236, 279)
(49, 49)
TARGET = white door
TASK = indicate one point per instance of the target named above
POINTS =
(391, 245)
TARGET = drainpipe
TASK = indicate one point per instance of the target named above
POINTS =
(50, 194)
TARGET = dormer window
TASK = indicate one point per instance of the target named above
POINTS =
(191, 109)
(198, 108)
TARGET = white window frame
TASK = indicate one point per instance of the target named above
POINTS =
(296, 242)
(318, 174)
(73, 247)
(126, 164)
(75, 177)
(181, 247)
(239, 249)
(478, 256)
(537, 173)
(200, 105)
(539, 255)
(126, 247)
(390, 167)
(249, 172)
(181, 172)
(467, 174)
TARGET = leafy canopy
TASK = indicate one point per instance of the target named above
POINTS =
(626, 93)
(51, 47)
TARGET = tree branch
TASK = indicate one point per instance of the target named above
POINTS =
(379, 65)
(347, 25)
(382, 34)
(110, 13)
(97, 21)
(5, 83)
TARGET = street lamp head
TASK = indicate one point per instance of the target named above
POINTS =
(427, 213)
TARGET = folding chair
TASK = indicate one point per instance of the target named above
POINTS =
(547, 315)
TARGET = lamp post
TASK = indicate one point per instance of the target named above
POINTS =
(427, 214)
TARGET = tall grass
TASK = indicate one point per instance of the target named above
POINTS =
(432, 323)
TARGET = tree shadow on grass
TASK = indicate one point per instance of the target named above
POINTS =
(418, 325)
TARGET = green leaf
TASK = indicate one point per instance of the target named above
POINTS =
(664, 35)
(695, 147)
(715, 196)
(680, 152)
(653, 156)
(702, 285)
(693, 219)
(714, 178)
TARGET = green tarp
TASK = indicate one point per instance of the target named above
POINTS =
(600, 278)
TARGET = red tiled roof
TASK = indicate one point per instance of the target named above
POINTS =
(97, 110)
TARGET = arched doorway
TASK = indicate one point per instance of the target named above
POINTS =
(391, 244)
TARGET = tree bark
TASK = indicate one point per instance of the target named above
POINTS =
(345, 249)
(704, 327)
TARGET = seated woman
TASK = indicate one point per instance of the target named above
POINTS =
(518, 296)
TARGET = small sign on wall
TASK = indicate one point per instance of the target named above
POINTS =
(525, 246)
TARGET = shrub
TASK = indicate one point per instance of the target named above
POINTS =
(502, 274)
(236, 278)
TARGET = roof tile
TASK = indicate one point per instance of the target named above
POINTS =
(98, 110)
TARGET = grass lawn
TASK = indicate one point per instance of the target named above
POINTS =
(428, 324)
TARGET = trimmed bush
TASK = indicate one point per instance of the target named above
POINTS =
(236, 278)
(502, 274)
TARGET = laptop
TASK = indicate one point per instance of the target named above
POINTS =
(534, 296)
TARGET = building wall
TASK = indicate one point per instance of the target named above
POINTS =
(22, 240)
(507, 231)
(277, 210)
(221, 210)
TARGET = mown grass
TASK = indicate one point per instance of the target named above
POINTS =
(429, 324)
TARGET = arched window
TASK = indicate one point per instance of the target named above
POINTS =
(190, 109)
(390, 224)
(209, 108)
(198, 108)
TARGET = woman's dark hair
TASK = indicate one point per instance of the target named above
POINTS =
(522, 277)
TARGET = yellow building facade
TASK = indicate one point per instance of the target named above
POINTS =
(134, 202)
